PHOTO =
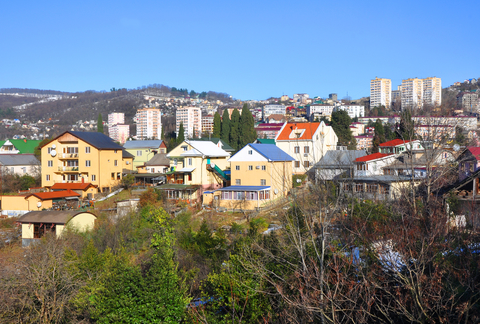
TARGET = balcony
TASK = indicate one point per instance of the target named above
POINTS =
(68, 169)
(66, 156)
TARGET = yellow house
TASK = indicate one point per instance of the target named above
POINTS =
(196, 166)
(38, 223)
(259, 174)
(143, 151)
(90, 157)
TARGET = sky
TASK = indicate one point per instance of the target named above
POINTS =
(248, 49)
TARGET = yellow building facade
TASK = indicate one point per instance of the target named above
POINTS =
(75, 157)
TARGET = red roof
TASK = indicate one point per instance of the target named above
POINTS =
(309, 130)
(72, 186)
(371, 157)
(54, 194)
(475, 151)
(394, 142)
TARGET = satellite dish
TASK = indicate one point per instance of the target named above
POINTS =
(212, 165)
(39, 204)
(53, 153)
(456, 147)
(276, 191)
(54, 146)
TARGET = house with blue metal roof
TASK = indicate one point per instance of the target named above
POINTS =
(260, 173)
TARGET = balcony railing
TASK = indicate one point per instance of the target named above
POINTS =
(68, 169)
(68, 155)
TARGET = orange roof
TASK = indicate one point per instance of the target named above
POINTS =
(54, 194)
(394, 142)
(72, 186)
(371, 157)
(306, 129)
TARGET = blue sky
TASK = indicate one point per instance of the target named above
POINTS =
(249, 49)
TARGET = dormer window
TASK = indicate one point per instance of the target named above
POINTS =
(250, 152)
(185, 147)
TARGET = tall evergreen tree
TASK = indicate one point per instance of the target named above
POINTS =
(100, 123)
(217, 125)
(235, 129)
(379, 136)
(247, 127)
(181, 134)
(225, 133)
(341, 126)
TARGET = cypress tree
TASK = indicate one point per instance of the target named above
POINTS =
(247, 127)
(235, 129)
(181, 134)
(225, 133)
(217, 125)
(100, 123)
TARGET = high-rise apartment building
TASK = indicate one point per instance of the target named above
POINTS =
(149, 123)
(119, 133)
(116, 118)
(191, 117)
(207, 124)
(432, 91)
(417, 92)
(380, 92)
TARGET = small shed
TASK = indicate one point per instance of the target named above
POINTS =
(36, 224)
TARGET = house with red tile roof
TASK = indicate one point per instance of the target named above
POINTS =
(84, 189)
(372, 164)
(307, 143)
(468, 162)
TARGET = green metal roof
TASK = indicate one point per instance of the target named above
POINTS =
(23, 145)
(266, 141)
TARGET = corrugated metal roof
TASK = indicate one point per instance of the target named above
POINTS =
(50, 216)
(394, 142)
(72, 186)
(54, 194)
(151, 144)
(271, 152)
(98, 140)
(340, 158)
(371, 157)
(18, 159)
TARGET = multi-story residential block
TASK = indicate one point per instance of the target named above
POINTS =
(364, 142)
(74, 157)
(119, 132)
(268, 130)
(149, 123)
(207, 124)
(195, 166)
(259, 174)
(300, 98)
(380, 92)
(273, 110)
(352, 110)
(191, 117)
(116, 118)
(417, 92)
(322, 109)
(432, 91)
(307, 143)
(435, 133)
(143, 151)
(468, 101)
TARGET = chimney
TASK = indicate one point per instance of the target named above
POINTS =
(25, 140)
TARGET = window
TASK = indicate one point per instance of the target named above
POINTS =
(189, 161)
(184, 147)
(49, 150)
(40, 230)
(252, 195)
(238, 195)
(264, 167)
(50, 163)
(139, 153)
(113, 176)
(175, 161)
(115, 151)
(119, 176)
(359, 187)
(296, 149)
(87, 163)
(297, 164)
(87, 149)
(263, 182)
(237, 167)
(226, 195)
(250, 152)
(250, 167)
(306, 164)
(306, 149)
(238, 182)
(115, 163)
(47, 177)
(94, 177)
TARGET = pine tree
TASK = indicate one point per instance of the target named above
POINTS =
(217, 125)
(181, 134)
(225, 133)
(235, 129)
(100, 123)
(247, 127)
(341, 126)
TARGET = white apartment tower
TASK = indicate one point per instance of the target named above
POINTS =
(191, 117)
(116, 118)
(432, 91)
(417, 92)
(149, 123)
(380, 92)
